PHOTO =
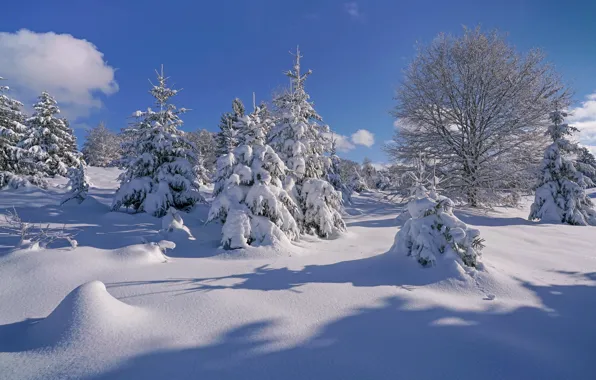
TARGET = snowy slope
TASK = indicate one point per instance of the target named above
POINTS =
(337, 309)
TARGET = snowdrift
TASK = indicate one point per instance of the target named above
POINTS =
(88, 313)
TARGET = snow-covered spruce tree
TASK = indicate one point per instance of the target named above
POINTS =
(585, 163)
(17, 166)
(334, 174)
(102, 147)
(250, 200)
(560, 192)
(226, 139)
(433, 231)
(301, 143)
(204, 142)
(357, 183)
(12, 130)
(78, 182)
(50, 142)
(161, 167)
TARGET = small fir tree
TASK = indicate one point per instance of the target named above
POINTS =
(560, 192)
(301, 143)
(357, 183)
(78, 183)
(586, 164)
(334, 174)
(50, 142)
(433, 231)
(17, 167)
(250, 200)
(12, 130)
(226, 139)
(204, 142)
(162, 167)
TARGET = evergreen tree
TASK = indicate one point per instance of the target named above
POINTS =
(226, 139)
(357, 183)
(433, 232)
(78, 183)
(250, 200)
(204, 142)
(102, 147)
(301, 142)
(12, 130)
(50, 141)
(560, 193)
(586, 164)
(334, 174)
(161, 167)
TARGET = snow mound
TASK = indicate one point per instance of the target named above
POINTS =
(144, 253)
(88, 204)
(172, 226)
(88, 313)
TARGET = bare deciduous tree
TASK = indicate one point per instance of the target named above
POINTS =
(479, 109)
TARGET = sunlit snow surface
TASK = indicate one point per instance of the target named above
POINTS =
(116, 307)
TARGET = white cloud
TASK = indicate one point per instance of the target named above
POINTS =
(584, 118)
(353, 10)
(342, 143)
(71, 69)
(363, 137)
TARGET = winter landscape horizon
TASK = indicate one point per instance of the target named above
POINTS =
(400, 198)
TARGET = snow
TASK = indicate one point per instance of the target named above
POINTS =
(345, 308)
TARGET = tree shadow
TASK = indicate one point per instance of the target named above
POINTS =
(398, 341)
(374, 223)
(478, 218)
(368, 205)
(380, 270)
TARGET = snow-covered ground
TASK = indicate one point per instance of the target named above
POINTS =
(116, 308)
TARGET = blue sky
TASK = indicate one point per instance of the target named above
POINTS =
(223, 49)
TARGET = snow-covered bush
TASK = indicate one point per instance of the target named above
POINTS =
(250, 200)
(301, 141)
(560, 192)
(162, 170)
(369, 173)
(322, 204)
(433, 231)
(382, 180)
(50, 144)
(78, 182)
(9, 180)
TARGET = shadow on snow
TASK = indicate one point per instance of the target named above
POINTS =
(397, 342)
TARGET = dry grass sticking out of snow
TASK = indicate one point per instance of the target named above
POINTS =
(318, 309)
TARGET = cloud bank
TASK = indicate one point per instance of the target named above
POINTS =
(72, 70)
